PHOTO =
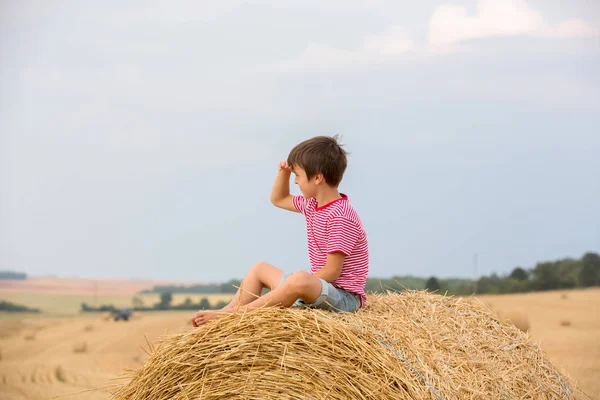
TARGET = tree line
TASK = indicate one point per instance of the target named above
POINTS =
(566, 273)
(13, 275)
(165, 304)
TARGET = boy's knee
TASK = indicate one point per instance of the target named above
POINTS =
(300, 281)
(259, 265)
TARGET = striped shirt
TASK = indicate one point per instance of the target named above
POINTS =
(336, 227)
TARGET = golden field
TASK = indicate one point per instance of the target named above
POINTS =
(80, 357)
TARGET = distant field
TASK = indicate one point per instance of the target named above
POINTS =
(79, 285)
(63, 296)
(69, 304)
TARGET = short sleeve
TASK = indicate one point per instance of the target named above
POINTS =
(300, 203)
(343, 235)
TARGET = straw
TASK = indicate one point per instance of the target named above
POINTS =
(409, 345)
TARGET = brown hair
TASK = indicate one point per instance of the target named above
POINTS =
(320, 154)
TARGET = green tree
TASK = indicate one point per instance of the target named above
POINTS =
(486, 284)
(588, 276)
(204, 304)
(220, 304)
(432, 284)
(590, 272)
(546, 276)
(519, 274)
(165, 300)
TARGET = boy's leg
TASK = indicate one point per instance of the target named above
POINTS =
(301, 284)
(258, 276)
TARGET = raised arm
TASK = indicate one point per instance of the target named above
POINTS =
(280, 195)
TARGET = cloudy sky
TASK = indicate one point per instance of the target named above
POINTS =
(141, 138)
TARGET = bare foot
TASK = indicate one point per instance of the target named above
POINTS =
(202, 317)
(227, 309)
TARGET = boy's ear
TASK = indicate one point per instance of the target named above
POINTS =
(319, 178)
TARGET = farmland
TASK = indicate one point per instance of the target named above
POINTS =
(52, 354)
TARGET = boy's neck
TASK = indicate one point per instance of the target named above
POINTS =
(327, 195)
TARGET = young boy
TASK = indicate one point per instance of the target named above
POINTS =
(337, 244)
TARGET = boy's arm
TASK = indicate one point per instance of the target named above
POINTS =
(280, 194)
(333, 267)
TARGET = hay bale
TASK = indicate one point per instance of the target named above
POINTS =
(565, 322)
(518, 318)
(414, 345)
(80, 347)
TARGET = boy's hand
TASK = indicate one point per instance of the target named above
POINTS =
(283, 165)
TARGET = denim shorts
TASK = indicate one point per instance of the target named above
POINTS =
(331, 298)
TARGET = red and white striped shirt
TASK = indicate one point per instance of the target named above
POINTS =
(336, 227)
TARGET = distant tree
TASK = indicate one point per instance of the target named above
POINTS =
(590, 272)
(12, 307)
(230, 286)
(13, 275)
(519, 274)
(511, 285)
(546, 276)
(432, 284)
(204, 304)
(187, 301)
(220, 305)
(485, 284)
(136, 302)
(588, 276)
(165, 300)
(591, 258)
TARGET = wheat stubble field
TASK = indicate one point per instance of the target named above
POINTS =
(79, 357)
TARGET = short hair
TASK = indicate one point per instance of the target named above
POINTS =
(320, 154)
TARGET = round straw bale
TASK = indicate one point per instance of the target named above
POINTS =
(412, 345)
(515, 317)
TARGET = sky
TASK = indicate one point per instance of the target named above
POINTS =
(141, 139)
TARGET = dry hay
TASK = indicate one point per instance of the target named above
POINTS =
(413, 345)
(88, 328)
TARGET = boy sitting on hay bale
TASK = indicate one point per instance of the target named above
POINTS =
(337, 243)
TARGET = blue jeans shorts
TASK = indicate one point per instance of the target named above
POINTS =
(331, 298)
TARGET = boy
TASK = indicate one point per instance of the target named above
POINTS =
(337, 244)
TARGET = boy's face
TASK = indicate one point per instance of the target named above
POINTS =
(308, 187)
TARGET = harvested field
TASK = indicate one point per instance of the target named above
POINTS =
(47, 366)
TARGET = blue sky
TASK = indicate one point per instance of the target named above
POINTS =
(142, 139)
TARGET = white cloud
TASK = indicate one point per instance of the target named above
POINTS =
(375, 48)
(450, 24)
